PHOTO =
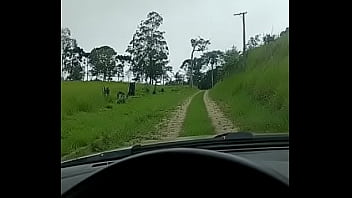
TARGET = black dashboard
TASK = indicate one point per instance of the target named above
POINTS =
(275, 158)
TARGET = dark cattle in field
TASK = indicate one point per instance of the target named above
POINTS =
(121, 97)
(106, 91)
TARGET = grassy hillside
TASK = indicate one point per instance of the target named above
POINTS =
(106, 125)
(257, 99)
(197, 121)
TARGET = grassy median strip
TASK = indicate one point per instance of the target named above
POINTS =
(197, 121)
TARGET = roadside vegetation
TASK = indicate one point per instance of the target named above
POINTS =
(256, 97)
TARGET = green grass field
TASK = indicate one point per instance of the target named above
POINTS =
(87, 96)
(197, 121)
(90, 123)
(257, 99)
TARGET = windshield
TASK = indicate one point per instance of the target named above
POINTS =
(138, 72)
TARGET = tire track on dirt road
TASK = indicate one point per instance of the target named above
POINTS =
(220, 122)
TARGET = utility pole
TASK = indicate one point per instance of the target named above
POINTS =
(244, 30)
(87, 64)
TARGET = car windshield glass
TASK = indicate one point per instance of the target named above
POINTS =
(144, 72)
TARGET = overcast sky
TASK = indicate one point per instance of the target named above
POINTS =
(95, 23)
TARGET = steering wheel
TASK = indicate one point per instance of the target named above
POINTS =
(180, 169)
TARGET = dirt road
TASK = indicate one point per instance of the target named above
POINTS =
(220, 122)
(171, 127)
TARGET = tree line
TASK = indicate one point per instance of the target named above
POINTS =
(146, 58)
(212, 66)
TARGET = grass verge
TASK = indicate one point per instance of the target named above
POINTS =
(197, 121)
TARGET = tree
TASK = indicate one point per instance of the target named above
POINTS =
(284, 32)
(213, 58)
(165, 74)
(253, 42)
(186, 66)
(65, 38)
(121, 61)
(205, 82)
(179, 78)
(86, 63)
(103, 62)
(76, 72)
(66, 44)
(198, 44)
(72, 61)
(129, 74)
(148, 50)
(72, 56)
(232, 60)
(193, 72)
(197, 75)
(268, 38)
(136, 51)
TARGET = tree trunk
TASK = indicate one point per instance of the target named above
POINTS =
(154, 86)
(62, 67)
(87, 69)
(212, 76)
(191, 79)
